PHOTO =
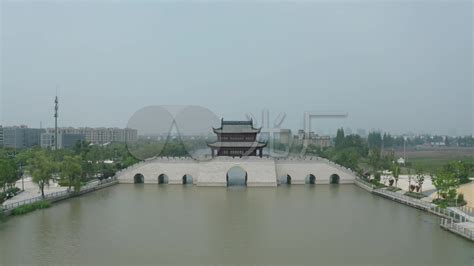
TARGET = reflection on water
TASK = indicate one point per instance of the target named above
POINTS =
(288, 225)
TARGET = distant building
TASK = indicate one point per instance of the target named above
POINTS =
(312, 139)
(101, 135)
(20, 137)
(321, 141)
(284, 136)
(65, 140)
(300, 135)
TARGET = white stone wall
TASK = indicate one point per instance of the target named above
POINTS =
(173, 168)
(298, 172)
(260, 171)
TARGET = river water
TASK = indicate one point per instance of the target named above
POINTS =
(189, 225)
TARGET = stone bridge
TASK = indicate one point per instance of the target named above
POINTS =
(259, 171)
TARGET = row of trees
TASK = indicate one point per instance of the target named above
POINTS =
(446, 180)
(379, 140)
(73, 167)
(70, 167)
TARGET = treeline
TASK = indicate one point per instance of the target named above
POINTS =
(354, 152)
(385, 140)
(70, 167)
(173, 147)
(84, 162)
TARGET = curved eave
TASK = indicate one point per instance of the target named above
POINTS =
(237, 145)
(221, 131)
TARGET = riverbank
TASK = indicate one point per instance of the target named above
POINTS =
(7, 209)
(455, 220)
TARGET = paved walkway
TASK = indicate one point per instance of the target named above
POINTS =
(468, 191)
(32, 191)
(404, 181)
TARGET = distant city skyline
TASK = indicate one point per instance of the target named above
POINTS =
(394, 66)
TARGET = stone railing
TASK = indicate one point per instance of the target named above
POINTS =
(251, 158)
(407, 200)
(466, 209)
(59, 194)
(450, 213)
(317, 159)
(364, 184)
(457, 228)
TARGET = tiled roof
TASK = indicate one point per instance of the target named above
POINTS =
(236, 127)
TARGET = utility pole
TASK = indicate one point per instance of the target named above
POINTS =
(56, 107)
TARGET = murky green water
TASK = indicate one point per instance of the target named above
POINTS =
(184, 225)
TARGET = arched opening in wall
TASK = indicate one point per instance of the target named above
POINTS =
(138, 179)
(285, 180)
(187, 179)
(310, 179)
(236, 176)
(162, 179)
(334, 179)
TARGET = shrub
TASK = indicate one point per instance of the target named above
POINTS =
(451, 194)
(14, 190)
(42, 204)
(63, 182)
(393, 189)
(377, 183)
(415, 195)
(377, 176)
(9, 193)
(460, 197)
(444, 203)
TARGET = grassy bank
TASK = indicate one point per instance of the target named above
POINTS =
(43, 204)
(432, 159)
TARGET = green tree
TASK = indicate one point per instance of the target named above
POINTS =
(459, 169)
(41, 168)
(396, 172)
(71, 170)
(374, 140)
(419, 177)
(374, 160)
(445, 183)
(8, 172)
(338, 142)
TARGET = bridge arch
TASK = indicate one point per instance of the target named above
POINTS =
(310, 179)
(334, 179)
(285, 179)
(163, 179)
(138, 179)
(236, 176)
(187, 179)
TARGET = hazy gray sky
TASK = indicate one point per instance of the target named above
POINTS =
(398, 66)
